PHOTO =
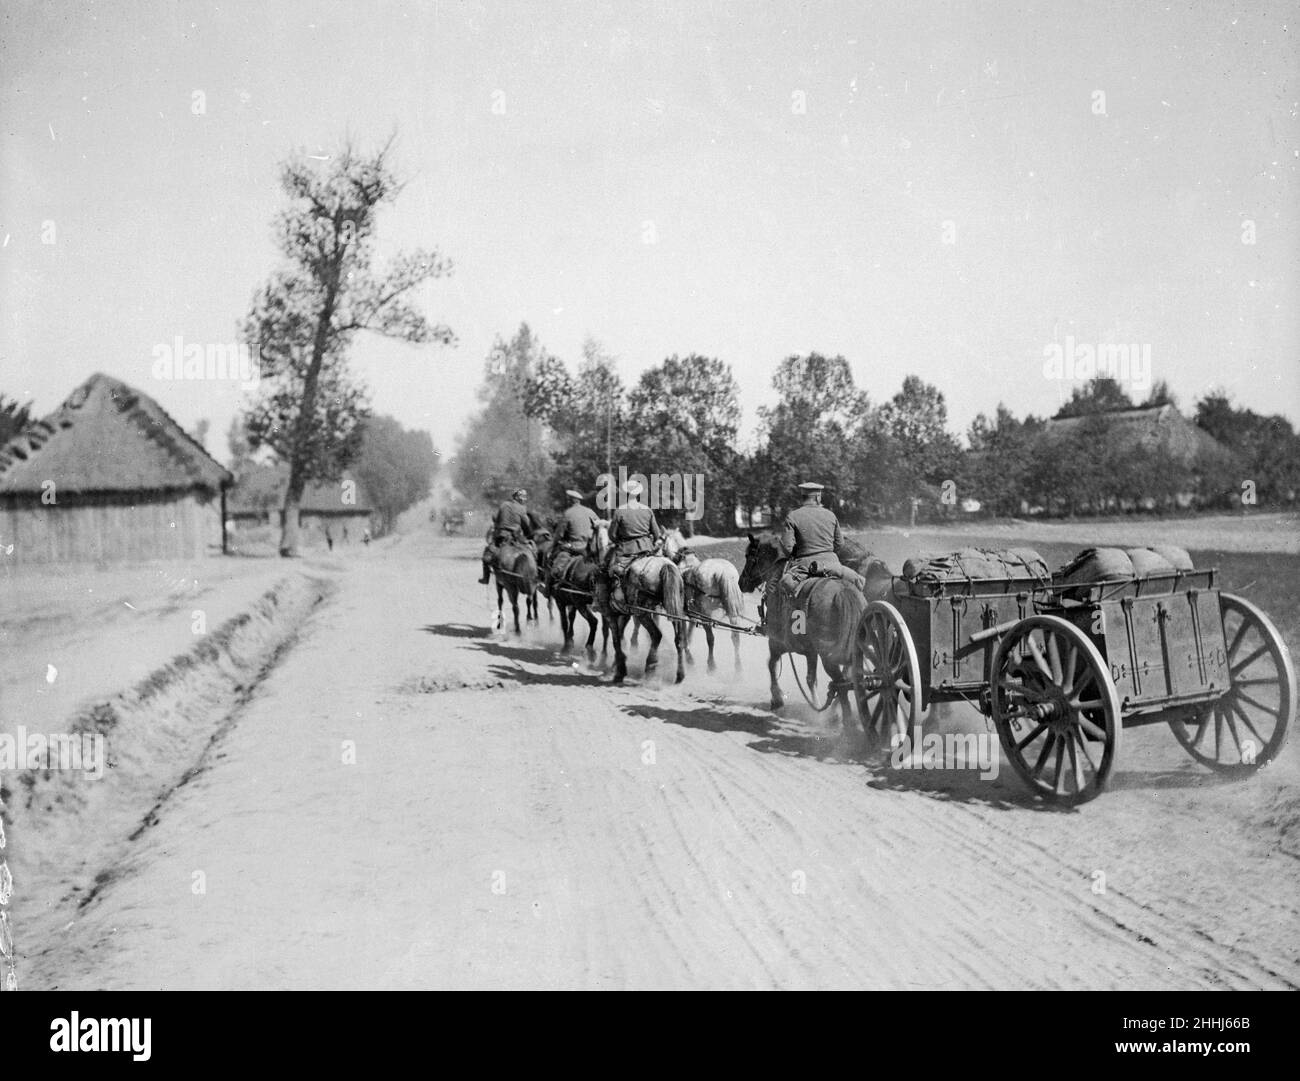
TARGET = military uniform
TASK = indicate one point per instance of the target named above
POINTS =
(811, 535)
(633, 532)
(576, 528)
(512, 522)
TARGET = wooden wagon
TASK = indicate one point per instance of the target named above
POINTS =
(1061, 669)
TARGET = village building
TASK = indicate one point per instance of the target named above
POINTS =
(108, 477)
(342, 507)
(1149, 437)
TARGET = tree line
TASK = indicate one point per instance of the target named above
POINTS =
(549, 428)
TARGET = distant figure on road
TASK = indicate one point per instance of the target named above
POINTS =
(329, 538)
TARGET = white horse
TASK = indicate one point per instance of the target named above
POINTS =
(711, 584)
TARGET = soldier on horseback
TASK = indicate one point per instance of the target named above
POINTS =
(634, 532)
(512, 523)
(577, 525)
(572, 535)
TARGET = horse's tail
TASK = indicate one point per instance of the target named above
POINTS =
(848, 609)
(672, 590)
(732, 599)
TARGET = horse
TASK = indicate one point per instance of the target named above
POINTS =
(544, 543)
(710, 584)
(826, 628)
(658, 583)
(574, 590)
(515, 571)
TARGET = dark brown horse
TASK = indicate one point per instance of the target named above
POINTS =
(516, 574)
(824, 626)
(573, 585)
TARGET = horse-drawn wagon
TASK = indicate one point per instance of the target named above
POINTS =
(1061, 667)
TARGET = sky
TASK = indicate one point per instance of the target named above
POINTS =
(941, 189)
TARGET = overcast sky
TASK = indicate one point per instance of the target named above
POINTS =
(942, 188)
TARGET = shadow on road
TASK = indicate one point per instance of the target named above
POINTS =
(457, 630)
(776, 736)
(567, 677)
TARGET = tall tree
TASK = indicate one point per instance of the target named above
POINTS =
(808, 434)
(396, 467)
(998, 462)
(911, 441)
(304, 320)
(586, 416)
(683, 415)
(504, 446)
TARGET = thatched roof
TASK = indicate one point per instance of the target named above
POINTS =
(1140, 431)
(262, 487)
(107, 437)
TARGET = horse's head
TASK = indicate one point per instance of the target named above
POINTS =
(761, 556)
(674, 544)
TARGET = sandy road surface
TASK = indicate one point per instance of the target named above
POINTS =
(512, 820)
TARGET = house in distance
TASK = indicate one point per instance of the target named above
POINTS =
(342, 507)
(108, 477)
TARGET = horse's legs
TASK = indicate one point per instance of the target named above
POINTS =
(812, 672)
(656, 635)
(514, 607)
(773, 659)
(679, 635)
(840, 692)
(591, 627)
(500, 623)
(565, 628)
(708, 637)
(735, 642)
(620, 658)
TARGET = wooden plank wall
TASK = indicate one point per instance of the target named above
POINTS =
(109, 528)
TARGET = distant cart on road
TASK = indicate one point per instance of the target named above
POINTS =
(453, 521)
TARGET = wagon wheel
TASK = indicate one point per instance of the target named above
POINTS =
(886, 675)
(1056, 709)
(1247, 726)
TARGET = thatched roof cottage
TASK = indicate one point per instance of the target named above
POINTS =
(108, 476)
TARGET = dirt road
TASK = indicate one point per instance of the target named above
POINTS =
(407, 802)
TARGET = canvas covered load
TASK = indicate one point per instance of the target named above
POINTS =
(1122, 564)
(1020, 568)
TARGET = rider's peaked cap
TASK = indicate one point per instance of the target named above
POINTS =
(572, 494)
(519, 492)
(812, 486)
(632, 487)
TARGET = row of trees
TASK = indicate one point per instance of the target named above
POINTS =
(549, 429)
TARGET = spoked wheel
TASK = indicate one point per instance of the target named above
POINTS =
(886, 675)
(1247, 726)
(1056, 709)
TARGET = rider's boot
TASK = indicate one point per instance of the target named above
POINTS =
(487, 573)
